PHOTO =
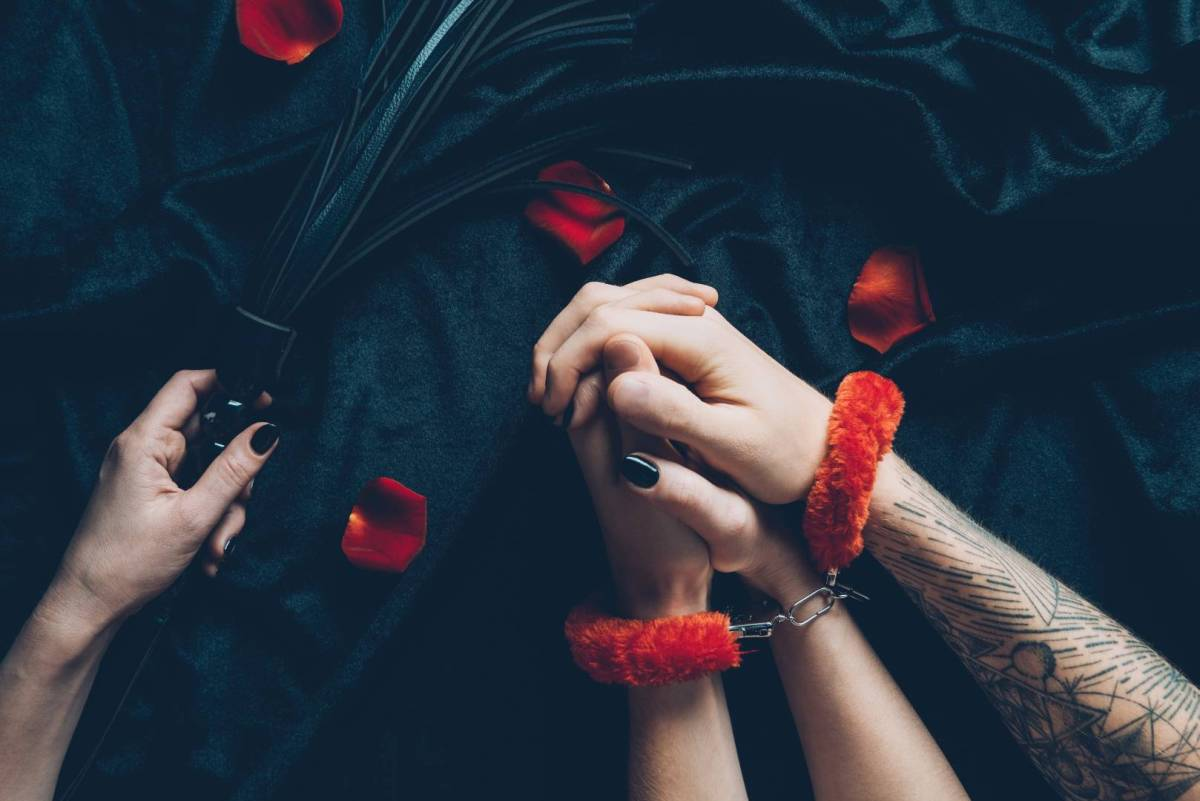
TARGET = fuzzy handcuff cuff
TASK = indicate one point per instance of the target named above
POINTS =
(647, 653)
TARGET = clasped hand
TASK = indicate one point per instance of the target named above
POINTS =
(706, 428)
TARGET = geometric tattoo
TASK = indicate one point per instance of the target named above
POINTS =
(1102, 715)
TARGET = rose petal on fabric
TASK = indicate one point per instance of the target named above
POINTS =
(586, 225)
(889, 300)
(386, 528)
(287, 30)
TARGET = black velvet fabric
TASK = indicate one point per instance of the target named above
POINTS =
(1042, 157)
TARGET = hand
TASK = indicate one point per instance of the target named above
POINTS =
(660, 567)
(743, 536)
(744, 415)
(665, 294)
(140, 529)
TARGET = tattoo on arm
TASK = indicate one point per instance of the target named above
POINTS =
(1103, 716)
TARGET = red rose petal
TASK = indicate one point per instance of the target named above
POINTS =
(287, 30)
(586, 225)
(386, 527)
(889, 300)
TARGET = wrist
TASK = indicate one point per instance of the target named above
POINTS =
(781, 571)
(72, 618)
(649, 603)
(810, 433)
(888, 486)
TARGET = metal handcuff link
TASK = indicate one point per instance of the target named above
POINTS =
(831, 590)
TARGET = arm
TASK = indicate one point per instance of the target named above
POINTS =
(44, 681)
(138, 533)
(681, 743)
(1101, 714)
(847, 708)
(680, 738)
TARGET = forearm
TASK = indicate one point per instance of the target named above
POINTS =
(44, 682)
(848, 711)
(1101, 714)
(681, 744)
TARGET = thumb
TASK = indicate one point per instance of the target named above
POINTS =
(660, 406)
(626, 353)
(227, 476)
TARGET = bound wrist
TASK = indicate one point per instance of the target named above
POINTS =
(647, 603)
(780, 571)
(888, 487)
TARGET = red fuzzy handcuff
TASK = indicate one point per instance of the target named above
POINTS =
(648, 653)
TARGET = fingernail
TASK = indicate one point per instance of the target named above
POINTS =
(230, 544)
(264, 438)
(680, 448)
(567, 414)
(639, 472)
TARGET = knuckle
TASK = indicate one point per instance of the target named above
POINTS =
(236, 470)
(590, 293)
(121, 448)
(686, 495)
(660, 296)
(182, 377)
(235, 518)
(737, 521)
(602, 318)
(556, 368)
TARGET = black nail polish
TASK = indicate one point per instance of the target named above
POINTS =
(230, 545)
(639, 472)
(680, 448)
(264, 438)
(567, 414)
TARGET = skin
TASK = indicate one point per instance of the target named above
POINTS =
(1100, 713)
(663, 552)
(680, 737)
(139, 532)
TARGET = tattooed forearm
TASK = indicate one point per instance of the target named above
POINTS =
(1102, 715)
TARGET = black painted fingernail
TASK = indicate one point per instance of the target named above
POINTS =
(680, 448)
(230, 544)
(264, 438)
(639, 472)
(567, 414)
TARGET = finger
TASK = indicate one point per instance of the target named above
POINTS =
(178, 400)
(192, 427)
(662, 407)
(595, 450)
(681, 342)
(718, 514)
(228, 475)
(220, 542)
(587, 403)
(592, 295)
(623, 354)
(663, 301)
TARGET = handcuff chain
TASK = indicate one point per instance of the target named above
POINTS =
(831, 589)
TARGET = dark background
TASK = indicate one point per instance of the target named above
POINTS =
(1042, 157)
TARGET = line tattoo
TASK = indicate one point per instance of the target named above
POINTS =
(1102, 715)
